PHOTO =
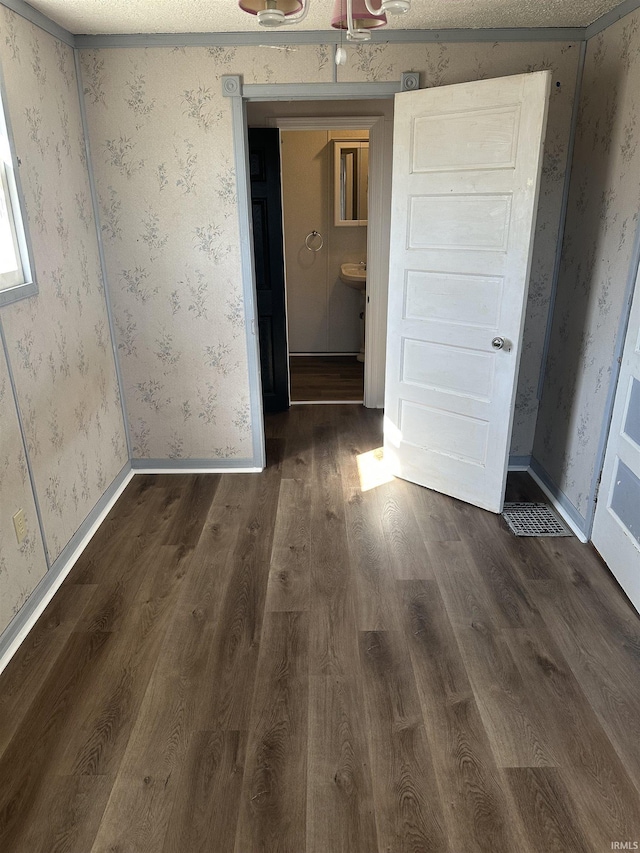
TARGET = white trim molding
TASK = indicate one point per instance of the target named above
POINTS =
(194, 466)
(559, 500)
(15, 633)
(380, 140)
(35, 17)
(318, 91)
(332, 37)
(610, 18)
(519, 463)
(232, 88)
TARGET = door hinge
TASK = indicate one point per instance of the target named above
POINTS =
(596, 491)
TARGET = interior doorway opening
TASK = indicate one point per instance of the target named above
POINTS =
(323, 355)
(324, 179)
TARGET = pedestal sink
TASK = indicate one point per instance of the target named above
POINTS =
(355, 275)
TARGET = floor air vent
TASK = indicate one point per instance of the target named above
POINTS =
(530, 519)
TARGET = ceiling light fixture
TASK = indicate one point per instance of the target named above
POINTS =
(276, 13)
(357, 17)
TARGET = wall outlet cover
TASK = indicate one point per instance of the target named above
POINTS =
(20, 525)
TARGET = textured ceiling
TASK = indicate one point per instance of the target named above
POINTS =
(200, 16)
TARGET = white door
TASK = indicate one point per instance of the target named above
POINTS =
(616, 527)
(466, 172)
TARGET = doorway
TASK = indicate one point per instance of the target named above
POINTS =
(324, 204)
(476, 218)
(325, 366)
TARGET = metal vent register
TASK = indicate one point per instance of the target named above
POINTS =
(531, 519)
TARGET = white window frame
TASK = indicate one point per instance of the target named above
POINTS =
(19, 283)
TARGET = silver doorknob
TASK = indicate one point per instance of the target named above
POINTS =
(497, 343)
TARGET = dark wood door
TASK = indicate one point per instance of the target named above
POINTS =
(266, 204)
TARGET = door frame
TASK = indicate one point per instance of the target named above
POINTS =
(377, 237)
(240, 93)
(595, 493)
(615, 432)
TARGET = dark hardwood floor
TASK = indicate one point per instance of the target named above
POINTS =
(317, 378)
(288, 662)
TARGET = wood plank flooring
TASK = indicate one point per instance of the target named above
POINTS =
(290, 662)
(317, 378)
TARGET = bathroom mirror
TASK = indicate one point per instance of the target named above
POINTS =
(351, 184)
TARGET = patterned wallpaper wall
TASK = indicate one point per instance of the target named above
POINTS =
(58, 341)
(604, 203)
(161, 148)
(21, 566)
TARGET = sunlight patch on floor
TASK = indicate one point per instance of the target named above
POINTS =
(373, 469)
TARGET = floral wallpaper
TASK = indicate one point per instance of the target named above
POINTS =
(604, 203)
(445, 64)
(21, 566)
(161, 132)
(58, 341)
(161, 146)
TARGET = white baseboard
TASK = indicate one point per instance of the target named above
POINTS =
(321, 354)
(34, 607)
(214, 470)
(559, 505)
(327, 403)
(519, 463)
(195, 466)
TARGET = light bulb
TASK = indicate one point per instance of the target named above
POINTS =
(396, 7)
(271, 18)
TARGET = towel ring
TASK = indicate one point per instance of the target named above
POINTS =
(311, 236)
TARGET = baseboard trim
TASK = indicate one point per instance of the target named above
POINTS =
(519, 463)
(194, 466)
(559, 500)
(16, 631)
(326, 403)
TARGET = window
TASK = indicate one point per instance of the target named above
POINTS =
(16, 269)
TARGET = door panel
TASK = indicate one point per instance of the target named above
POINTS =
(466, 173)
(616, 528)
(488, 140)
(459, 222)
(266, 206)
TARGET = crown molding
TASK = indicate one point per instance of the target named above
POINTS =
(610, 18)
(297, 37)
(26, 11)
